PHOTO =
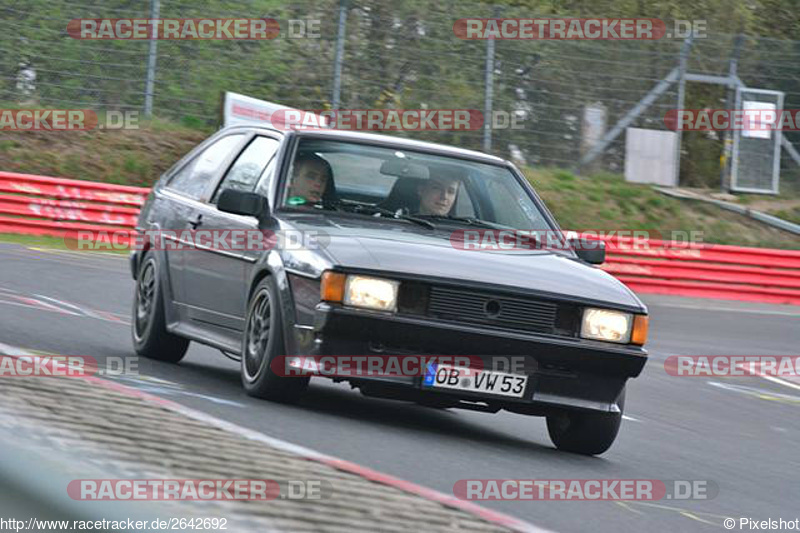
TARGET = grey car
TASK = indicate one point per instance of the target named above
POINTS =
(385, 275)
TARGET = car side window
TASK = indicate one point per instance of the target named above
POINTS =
(245, 172)
(195, 176)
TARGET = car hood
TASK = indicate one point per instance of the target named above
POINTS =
(416, 251)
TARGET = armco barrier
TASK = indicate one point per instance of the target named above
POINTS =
(39, 205)
(706, 271)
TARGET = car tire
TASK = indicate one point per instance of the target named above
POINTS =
(148, 325)
(262, 342)
(585, 433)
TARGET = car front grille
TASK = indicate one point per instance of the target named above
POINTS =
(500, 311)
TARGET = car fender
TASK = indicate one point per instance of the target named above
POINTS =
(271, 264)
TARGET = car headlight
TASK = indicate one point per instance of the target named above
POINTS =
(607, 325)
(360, 291)
(371, 293)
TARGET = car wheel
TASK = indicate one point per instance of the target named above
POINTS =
(261, 343)
(585, 433)
(149, 328)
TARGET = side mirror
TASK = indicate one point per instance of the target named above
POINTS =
(243, 203)
(593, 252)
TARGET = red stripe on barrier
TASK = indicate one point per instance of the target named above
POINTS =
(715, 253)
(27, 226)
(712, 290)
(72, 189)
(679, 270)
(33, 207)
(655, 243)
(84, 184)
(712, 255)
(70, 204)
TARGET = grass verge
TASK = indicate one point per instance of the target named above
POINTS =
(54, 243)
(606, 201)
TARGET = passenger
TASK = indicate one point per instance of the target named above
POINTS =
(437, 196)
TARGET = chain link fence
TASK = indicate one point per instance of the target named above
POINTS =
(401, 55)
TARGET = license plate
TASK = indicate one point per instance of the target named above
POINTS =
(459, 378)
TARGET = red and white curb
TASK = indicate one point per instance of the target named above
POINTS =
(312, 455)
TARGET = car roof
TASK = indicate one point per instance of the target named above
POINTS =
(385, 140)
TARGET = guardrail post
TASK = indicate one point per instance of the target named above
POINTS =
(684, 58)
(151, 62)
(730, 97)
(339, 59)
(488, 95)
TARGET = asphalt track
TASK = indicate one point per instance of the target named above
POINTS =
(740, 433)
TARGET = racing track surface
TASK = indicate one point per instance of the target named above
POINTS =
(741, 433)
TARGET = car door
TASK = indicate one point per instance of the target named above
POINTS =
(183, 198)
(216, 276)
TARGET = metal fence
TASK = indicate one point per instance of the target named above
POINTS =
(401, 55)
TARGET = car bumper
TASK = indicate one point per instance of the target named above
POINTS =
(563, 372)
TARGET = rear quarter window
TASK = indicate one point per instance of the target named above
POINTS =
(193, 178)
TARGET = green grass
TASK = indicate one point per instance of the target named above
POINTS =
(607, 202)
(126, 157)
(34, 240)
(792, 215)
(45, 241)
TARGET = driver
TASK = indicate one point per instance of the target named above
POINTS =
(437, 196)
(309, 179)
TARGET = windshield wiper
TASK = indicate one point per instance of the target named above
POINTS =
(530, 237)
(472, 221)
(377, 210)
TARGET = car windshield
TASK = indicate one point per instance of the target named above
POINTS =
(390, 182)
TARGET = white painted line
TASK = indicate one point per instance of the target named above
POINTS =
(754, 391)
(100, 315)
(73, 310)
(6, 349)
(65, 304)
(768, 377)
(45, 306)
(26, 306)
(780, 381)
(75, 252)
